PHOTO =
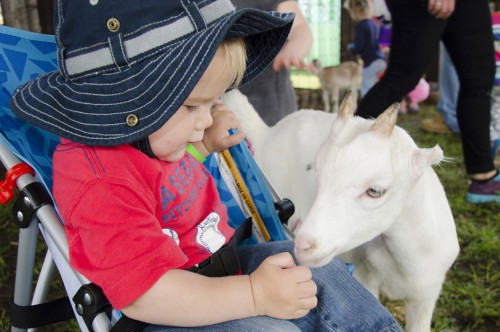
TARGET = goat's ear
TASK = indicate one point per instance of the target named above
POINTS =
(346, 108)
(385, 122)
(423, 158)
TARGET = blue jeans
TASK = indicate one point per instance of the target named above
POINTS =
(370, 75)
(343, 304)
(448, 88)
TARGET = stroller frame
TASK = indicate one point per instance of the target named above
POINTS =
(34, 211)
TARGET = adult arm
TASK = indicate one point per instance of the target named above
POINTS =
(299, 40)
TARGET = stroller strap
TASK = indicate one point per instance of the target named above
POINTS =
(224, 262)
(32, 316)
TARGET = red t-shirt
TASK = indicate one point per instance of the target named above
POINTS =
(130, 218)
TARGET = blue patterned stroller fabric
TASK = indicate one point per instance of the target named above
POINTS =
(25, 55)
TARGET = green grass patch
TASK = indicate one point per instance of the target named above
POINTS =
(470, 298)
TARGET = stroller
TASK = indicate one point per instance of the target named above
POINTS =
(26, 154)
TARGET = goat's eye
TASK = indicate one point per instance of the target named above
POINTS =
(375, 192)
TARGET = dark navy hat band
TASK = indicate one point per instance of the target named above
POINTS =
(149, 40)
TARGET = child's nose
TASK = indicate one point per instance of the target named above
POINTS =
(205, 119)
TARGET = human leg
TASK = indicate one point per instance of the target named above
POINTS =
(251, 324)
(367, 81)
(370, 75)
(343, 303)
(484, 191)
(495, 126)
(415, 35)
(448, 89)
(495, 115)
(469, 41)
(446, 121)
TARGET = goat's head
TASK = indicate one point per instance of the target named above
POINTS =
(365, 171)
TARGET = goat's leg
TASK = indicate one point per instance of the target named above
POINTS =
(326, 100)
(419, 315)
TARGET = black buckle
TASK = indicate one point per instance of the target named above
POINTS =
(222, 263)
(225, 261)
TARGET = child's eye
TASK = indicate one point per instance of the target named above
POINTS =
(192, 108)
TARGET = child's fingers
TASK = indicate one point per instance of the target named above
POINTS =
(219, 106)
(300, 314)
(302, 273)
(305, 306)
(308, 303)
(307, 289)
(234, 139)
(283, 260)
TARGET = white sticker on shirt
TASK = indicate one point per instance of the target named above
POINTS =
(173, 234)
(208, 234)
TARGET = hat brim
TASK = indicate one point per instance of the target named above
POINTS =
(94, 110)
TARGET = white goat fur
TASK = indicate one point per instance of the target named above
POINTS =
(401, 243)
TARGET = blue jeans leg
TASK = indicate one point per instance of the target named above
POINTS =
(448, 89)
(370, 75)
(252, 324)
(343, 303)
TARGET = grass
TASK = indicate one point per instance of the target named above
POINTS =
(471, 296)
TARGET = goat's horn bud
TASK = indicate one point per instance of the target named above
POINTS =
(385, 122)
(346, 109)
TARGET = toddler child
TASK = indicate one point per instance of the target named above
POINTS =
(419, 94)
(138, 83)
(366, 42)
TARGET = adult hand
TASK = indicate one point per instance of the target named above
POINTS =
(441, 9)
(299, 40)
(283, 290)
(288, 57)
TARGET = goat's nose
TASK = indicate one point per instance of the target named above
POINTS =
(304, 243)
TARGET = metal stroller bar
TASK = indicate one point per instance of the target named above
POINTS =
(49, 220)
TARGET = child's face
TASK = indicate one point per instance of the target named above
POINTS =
(188, 124)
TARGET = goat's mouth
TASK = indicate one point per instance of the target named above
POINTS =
(313, 259)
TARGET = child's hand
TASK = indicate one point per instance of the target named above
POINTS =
(217, 138)
(283, 290)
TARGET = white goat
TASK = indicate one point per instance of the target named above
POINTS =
(379, 204)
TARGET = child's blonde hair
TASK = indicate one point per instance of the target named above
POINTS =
(359, 9)
(236, 55)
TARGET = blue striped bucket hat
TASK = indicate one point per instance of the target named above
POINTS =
(125, 67)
